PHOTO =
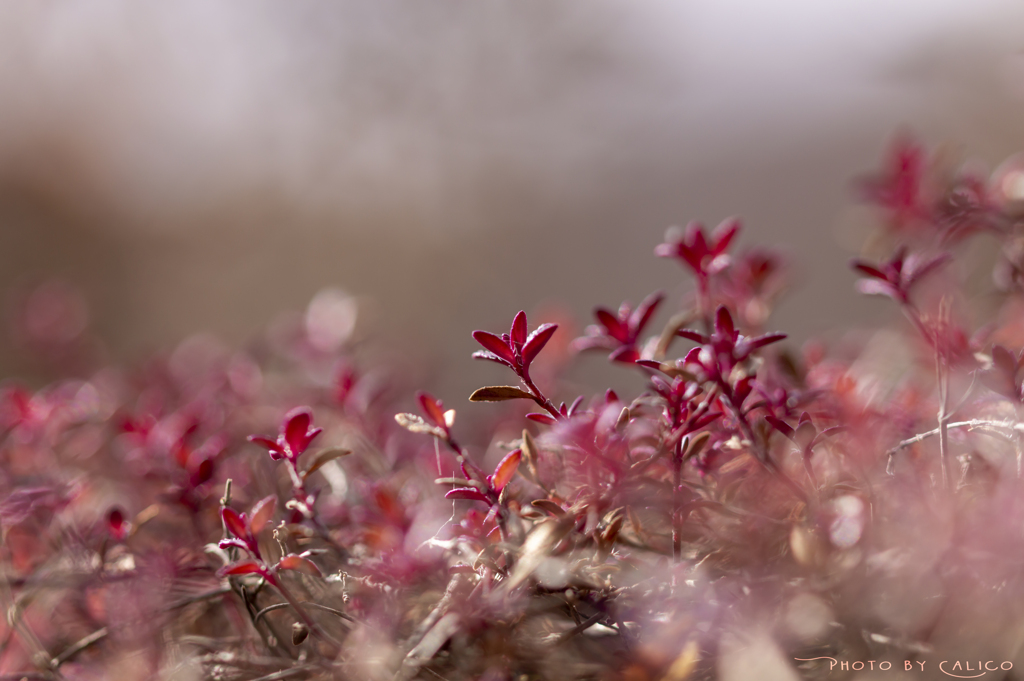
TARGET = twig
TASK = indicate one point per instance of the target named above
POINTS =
(973, 424)
(583, 626)
(428, 669)
(279, 606)
(942, 375)
(440, 609)
(285, 673)
(78, 647)
(677, 504)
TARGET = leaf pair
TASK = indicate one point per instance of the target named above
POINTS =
(516, 349)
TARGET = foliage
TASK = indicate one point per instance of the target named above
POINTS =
(754, 504)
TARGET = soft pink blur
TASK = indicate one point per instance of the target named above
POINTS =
(206, 166)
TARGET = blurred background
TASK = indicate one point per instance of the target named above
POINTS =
(205, 165)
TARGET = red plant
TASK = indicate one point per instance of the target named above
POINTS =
(620, 333)
(800, 509)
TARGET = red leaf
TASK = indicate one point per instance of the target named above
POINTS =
(541, 418)
(244, 568)
(270, 445)
(299, 564)
(723, 235)
(117, 525)
(296, 430)
(916, 269)
(626, 354)
(704, 420)
(505, 469)
(433, 409)
(869, 270)
(781, 426)
(743, 389)
(202, 473)
(466, 493)
(518, 332)
(296, 423)
(495, 346)
(536, 342)
(693, 357)
(235, 522)
(694, 236)
(611, 324)
(644, 311)
(262, 512)
(689, 334)
(723, 322)
(766, 339)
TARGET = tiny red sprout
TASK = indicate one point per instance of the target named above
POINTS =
(681, 404)
(717, 354)
(203, 472)
(262, 512)
(515, 349)
(118, 525)
(620, 332)
(704, 255)
(895, 277)
(294, 438)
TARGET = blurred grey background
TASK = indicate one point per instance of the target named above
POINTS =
(203, 165)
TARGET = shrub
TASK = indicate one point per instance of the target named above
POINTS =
(757, 511)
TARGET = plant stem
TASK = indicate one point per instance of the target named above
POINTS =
(539, 397)
(943, 376)
(677, 502)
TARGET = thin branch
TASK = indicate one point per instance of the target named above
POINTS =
(583, 626)
(285, 673)
(78, 647)
(942, 375)
(279, 606)
(993, 427)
